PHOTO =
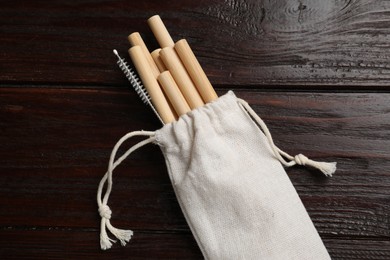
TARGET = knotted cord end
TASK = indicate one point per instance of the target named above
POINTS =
(124, 236)
(105, 212)
(327, 168)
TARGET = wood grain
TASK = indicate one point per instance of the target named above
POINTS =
(332, 44)
(75, 244)
(316, 71)
(60, 150)
(69, 244)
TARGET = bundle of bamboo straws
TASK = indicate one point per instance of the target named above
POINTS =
(171, 75)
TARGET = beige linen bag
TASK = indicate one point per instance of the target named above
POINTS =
(229, 179)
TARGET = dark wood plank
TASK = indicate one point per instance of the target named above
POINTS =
(239, 42)
(84, 244)
(64, 104)
(56, 143)
(72, 244)
(342, 249)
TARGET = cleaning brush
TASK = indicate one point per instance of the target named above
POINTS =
(136, 83)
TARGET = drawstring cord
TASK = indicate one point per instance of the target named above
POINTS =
(105, 212)
(327, 168)
(124, 236)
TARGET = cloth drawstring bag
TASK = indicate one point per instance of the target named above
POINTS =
(231, 185)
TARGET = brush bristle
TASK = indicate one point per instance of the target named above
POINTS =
(136, 83)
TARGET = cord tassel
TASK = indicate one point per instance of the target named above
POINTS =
(123, 235)
(327, 168)
(105, 212)
(105, 240)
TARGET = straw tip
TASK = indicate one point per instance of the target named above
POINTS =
(181, 41)
(133, 37)
(154, 17)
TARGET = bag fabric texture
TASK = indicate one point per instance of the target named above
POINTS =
(230, 184)
(234, 193)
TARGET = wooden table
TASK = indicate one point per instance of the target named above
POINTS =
(317, 72)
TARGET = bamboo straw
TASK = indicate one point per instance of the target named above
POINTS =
(173, 93)
(136, 39)
(160, 31)
(183, 80)
(149, 80)
(196, 72)
(157, 59)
